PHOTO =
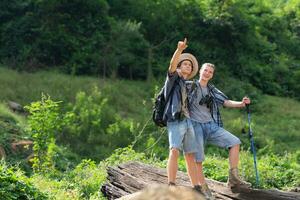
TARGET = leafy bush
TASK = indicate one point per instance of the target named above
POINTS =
(14, 185)
(43, 123)
(85, 180)
(64, 159)
(87, 177)
(94, 130)
(276, 171)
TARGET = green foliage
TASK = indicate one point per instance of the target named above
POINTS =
(278, 134)
(237, 89)
(116, 114)
(92, 129)
(87, 177)
(122, 155)
(15, 185)
(61, 34)
(44, 124)
(11, 130)
(254, 41)
(10, 116)
(276, 171)
(64, 159)
(84, 181)
(216, 168)
(123, 46)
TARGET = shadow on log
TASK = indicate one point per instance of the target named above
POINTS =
(132, 177)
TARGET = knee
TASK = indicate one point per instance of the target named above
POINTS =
(199, 166)
(190, 156)
(174, 153)
(237, 146)
(234, 148)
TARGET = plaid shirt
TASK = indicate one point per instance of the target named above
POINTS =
(218, 99)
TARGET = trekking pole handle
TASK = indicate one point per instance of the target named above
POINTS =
(248, 108)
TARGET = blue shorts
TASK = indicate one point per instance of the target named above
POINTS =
(182, 136)
(211, 133)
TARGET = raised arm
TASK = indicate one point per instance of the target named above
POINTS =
(174, 61)
(237, 104)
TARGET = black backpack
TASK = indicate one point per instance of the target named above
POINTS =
(159, 108)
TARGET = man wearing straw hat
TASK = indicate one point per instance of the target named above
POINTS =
(183, 66)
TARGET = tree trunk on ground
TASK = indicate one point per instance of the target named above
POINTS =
(131, 177)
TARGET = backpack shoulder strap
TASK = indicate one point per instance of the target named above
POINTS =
(172, 90)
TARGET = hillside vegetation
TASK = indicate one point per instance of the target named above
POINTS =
(98, 116)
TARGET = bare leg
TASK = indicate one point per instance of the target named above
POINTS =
(234, 156)
(191, 168)
(172, 166)
(200, 174)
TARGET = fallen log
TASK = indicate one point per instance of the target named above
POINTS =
(132, 177)
(22, 146)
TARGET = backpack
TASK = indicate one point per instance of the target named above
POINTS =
(159, 108)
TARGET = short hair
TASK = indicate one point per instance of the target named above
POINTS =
(209, 65)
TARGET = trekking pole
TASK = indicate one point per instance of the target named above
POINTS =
(252, 144)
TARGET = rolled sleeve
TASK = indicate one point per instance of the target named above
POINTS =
(220, 97)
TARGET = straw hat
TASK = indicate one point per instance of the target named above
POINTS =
(190, 57)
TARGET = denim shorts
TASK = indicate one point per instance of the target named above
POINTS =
(182, 136)
(211, 133)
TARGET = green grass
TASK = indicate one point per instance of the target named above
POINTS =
(275, 124)
(129, 98)
(7, 114)
(279, 123)
(12, 127)
(25, 88)
(85, 181)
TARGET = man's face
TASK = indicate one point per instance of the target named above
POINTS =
(186, 67)
(206, 73)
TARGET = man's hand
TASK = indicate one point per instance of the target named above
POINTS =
(174, 60)
(237, 104)
(246, 100)
(182, 45)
